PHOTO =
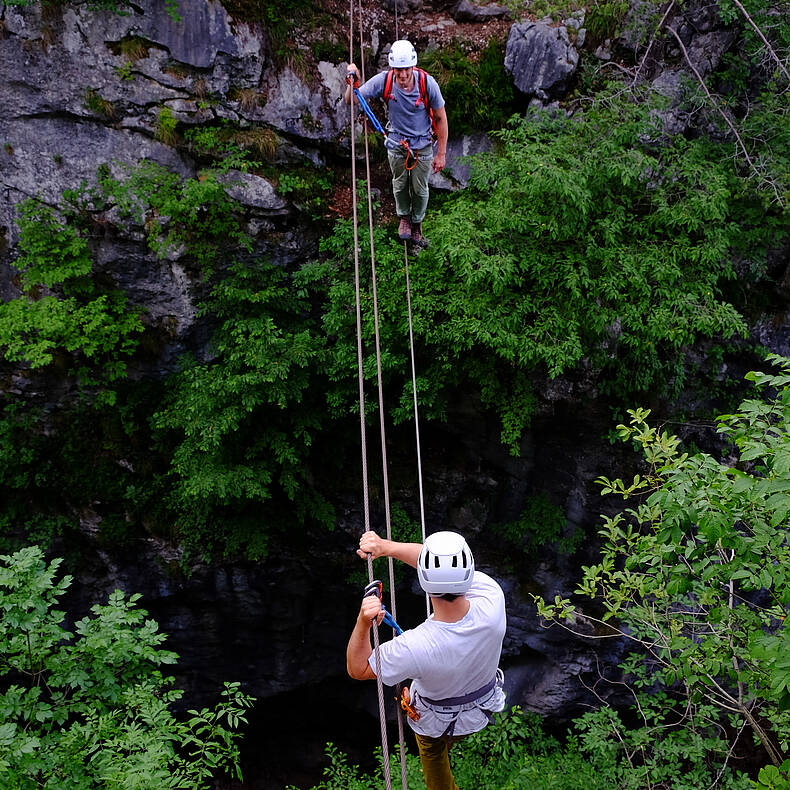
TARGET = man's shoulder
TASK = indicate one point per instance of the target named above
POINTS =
(433, 90)
(374, 86)
(483, 584)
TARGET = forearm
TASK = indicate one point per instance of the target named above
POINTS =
(405, 552)
(371, 544)
(442, 132)
(358, 651)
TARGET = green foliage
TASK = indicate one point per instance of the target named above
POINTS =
(579, 247)
(696, 573)
(279, 19)
(515, 753)
(90, 707)
(245, 421)
(193, 215)
(124, 71)
(603, 19)
(680, 758)
(309, 189)
(217, 143)
(99, 105)
(166, 123)
(64, 309)
(480, 95)
(330, 51)
(773, 778)
(541, 523)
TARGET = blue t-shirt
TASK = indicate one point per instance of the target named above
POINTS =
(408, 120)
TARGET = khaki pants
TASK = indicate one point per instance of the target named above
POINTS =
(435, 760)
(410, 187)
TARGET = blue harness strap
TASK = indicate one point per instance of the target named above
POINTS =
(366, 107)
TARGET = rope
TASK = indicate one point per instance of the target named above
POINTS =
(416, 411)
(363, 441)
(393, 609)
(360, 375)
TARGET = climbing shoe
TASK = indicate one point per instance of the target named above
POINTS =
(417, 239)
(404, 229)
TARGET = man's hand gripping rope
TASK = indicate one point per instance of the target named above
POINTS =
(372, 606)
(379, 612)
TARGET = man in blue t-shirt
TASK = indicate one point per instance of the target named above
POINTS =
(409, 139)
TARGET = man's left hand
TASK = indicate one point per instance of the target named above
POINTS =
(438, 163)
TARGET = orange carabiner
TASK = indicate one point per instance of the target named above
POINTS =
(406, 704)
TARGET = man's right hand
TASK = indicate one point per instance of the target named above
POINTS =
(350, 83)
(370, 543)
(352, 67)
(371, 609)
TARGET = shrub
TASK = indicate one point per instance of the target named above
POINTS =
(90, 707)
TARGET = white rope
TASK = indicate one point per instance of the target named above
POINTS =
(416, 411)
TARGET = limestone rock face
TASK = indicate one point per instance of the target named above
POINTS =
(456, 173)
(541, 58)
(307, 111)
(467, 11)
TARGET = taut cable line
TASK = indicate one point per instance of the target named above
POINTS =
(360, 372)
(416, 409)
(360, 376)
(379, 379)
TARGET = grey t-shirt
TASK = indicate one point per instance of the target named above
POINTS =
(408, 119)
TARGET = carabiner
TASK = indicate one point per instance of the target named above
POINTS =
(376, 588)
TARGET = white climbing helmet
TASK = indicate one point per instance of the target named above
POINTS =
(446, 564)
(402, 54)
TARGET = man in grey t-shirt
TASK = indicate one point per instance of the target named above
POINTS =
(452, 658)
(409, 140)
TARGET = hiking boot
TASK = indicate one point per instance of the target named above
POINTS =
(404, 229)
(417, 239)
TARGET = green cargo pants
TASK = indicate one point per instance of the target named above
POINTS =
(410, 187)
(435, 760)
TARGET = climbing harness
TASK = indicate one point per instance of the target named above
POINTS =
(455, 705)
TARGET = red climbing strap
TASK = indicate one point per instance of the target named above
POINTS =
(409, 155)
